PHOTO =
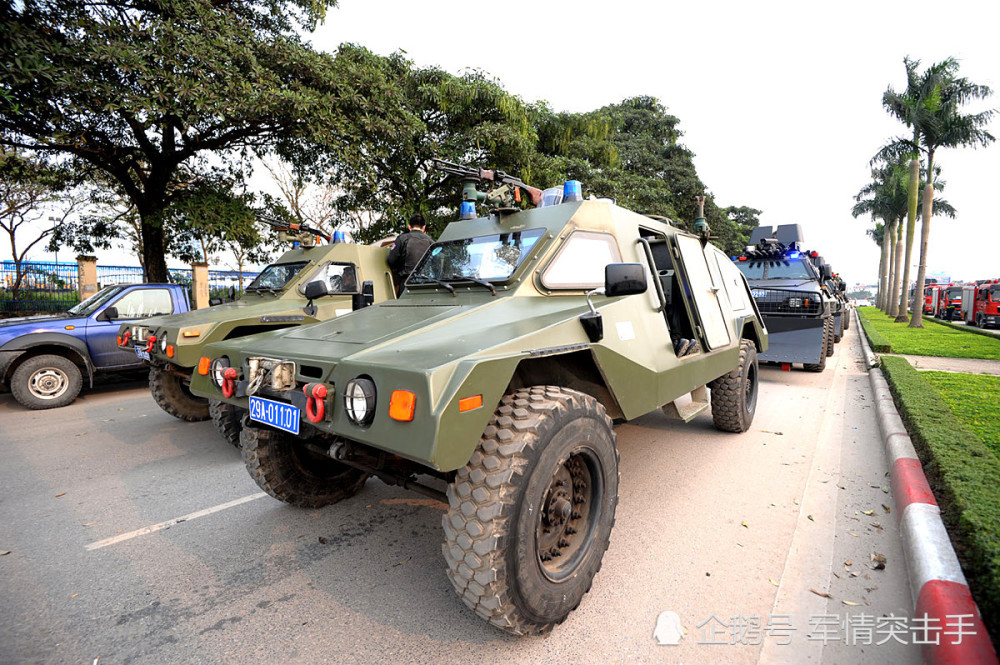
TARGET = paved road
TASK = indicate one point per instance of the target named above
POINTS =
(711, 526)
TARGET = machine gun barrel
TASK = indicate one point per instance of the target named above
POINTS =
(478, 174)
(282, 225)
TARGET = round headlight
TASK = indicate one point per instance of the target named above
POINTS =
(359, 401)
(216, 369)
(163, 342)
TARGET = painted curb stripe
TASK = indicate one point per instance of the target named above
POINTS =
(948, 602)
(928, 549)
(909, 484)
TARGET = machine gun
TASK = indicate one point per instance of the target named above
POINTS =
(506, 194)
(293, 232)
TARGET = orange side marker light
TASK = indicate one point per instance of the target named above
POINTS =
(402, 404)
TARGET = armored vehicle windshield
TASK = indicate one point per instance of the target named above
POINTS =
(493, 257)
(276, 276)
(777, 269)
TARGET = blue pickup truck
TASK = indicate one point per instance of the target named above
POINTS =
(43, 359)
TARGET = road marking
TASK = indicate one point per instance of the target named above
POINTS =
(169, 523)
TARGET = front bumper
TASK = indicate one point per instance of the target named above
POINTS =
(794, 340)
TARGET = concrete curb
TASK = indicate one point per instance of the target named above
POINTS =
(941, 597)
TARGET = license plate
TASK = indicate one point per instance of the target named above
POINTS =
(276, 414)
(142, 353)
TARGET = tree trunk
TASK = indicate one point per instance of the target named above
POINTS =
(897, 270)
(154, 258)
(925, 235)
(890, 239)
(911, 228)
(883, 272)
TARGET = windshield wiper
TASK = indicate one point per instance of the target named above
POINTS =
(446, 285)
(270, 289)
(474, 280)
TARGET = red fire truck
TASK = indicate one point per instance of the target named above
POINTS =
(984, 308)
(933, 296)
(949, 302)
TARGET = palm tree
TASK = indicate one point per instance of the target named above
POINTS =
(930, 106)
(886, 199)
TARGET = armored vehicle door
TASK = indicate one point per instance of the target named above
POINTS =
(703, 282)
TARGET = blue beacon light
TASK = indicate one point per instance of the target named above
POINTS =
(572, 191)
(468, 210)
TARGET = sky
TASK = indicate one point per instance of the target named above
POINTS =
(779, 101)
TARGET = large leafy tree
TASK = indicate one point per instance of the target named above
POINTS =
(468, 119)
(159, 94)
(931, 106)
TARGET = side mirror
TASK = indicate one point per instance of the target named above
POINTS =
(624, 279)
(212, 302)
(109, 314)
(826, 271)
(317, 289)
(365, 298)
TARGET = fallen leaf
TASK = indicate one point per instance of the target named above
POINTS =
(835, 574)
(740, 544)
(877, 526)
(322, 540)
(771, 580)
(74, 596)
(847, 602)
(810, 517)
(795, 501)
(868, 512)
(91, 523)
(59, 495)
(849, 562)
(820, 593)
(853, 534)
(854, 573)
(4, 552)
(745, 524)
(886, 509)
(878, 561)
(885, 489)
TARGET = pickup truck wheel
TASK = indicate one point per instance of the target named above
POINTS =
(829, 326)
(46, 382)
(292, 473)
(824, 348)
(530, 515)
(176, 398)
(734, 395)
(227, 420)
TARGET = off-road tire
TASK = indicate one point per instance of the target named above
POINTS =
(846, 319)
(175, 398)
(500, 502)
(227, 420)
(829, 327)
(46, 382)
(734, 395)
(824, 347)
(288, 471)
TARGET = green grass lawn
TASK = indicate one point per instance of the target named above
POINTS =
(933, 339)
(947, 416)
(974, 399)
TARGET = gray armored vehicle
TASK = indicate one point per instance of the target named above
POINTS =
(788, 287)
(493, 381)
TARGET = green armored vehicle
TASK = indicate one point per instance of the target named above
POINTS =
(493, 384)
(171, 345)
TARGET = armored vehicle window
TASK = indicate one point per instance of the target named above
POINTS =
(734, 286)
(144, 302)
(91, 304)
(493, 257)
(342, 278)
(580, 262)
(277, 275)
(776, 269)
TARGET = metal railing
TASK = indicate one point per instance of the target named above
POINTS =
(47, 286)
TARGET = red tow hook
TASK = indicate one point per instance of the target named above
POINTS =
(150, 341)
(126, 337)
(315, 395)
(229, 382)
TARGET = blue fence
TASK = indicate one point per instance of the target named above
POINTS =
(47, 286)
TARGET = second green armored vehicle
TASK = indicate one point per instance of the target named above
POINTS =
(171, 345)
(493, 384)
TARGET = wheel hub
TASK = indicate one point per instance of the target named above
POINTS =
(48, 383)
(565, 520)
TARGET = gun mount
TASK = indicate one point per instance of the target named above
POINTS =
(294, 232)
(507, 193)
